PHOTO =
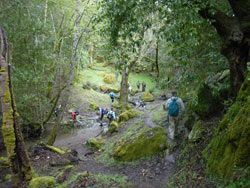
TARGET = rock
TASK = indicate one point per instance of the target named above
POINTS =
(106, 89)
(147, 97)
(109, 78)
(229, 149)
(95, 143)
(113, 127)
(209, 102)
(196, 132)
(43, 182)
(93, 106)
(152, 140)
(128, 114)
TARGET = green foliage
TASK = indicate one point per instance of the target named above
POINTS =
(128, 114)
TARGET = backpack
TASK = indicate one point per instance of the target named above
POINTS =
(173, 108)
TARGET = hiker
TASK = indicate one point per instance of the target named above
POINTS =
(143, 85)
(112, 96)
(57, 110)
(129, 88)
(74, 114)
(102, 112)
(175, 108)
(111, 115)
(138, 84)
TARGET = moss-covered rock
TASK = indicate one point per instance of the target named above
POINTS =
(209, 102)
(43, 182)
(109, 78)
(196, 132)
(142, 143)
(106, 89)
(95, 143)
(147, 97)
(93, 106)
(230, 147)
(113, 127)
(127, 115)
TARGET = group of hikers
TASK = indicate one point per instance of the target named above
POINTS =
(174, 107)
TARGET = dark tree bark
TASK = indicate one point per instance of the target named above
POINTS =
(12, 135)
(235, 34)
(157, 58)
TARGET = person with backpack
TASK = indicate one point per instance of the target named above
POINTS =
(112, 96)
(175, 107)
(111, 115)
(102, 112)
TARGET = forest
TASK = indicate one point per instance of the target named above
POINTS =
(124, 93)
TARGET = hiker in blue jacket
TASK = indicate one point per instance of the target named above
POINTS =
(175, 108)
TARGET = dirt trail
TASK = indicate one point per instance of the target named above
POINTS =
(150, 173)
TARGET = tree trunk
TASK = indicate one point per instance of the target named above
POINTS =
(124, 89)
(235, 34)
(157, 58)
(12, 135)
(71, 75)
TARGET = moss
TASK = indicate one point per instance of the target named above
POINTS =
(55, 149)
(95, 143)
(109, 78)
(147, 97)
(209, 102)
(113, 127)
(196, 132)
(127, 115)
(144, 142)
(93, 106)
(43, 182)
(230, 147)
(108, 89)
(4, 162)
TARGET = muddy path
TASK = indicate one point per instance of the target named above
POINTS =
(153, 172)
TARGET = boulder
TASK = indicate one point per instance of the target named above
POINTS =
(113, 127)
(109, 78)
(147, 97)
(95, 143)
(141, 143)
(106, 89)
(128, 114)
(196, 132)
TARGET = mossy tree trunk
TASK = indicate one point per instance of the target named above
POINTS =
(235, 34)
(124, 89)
(12, 135)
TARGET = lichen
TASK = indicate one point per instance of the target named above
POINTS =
(147, 97)
(230, 147)
(145, 142)
(43, 182)
(4, 162)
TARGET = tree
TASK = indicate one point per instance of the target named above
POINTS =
(12, 135)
